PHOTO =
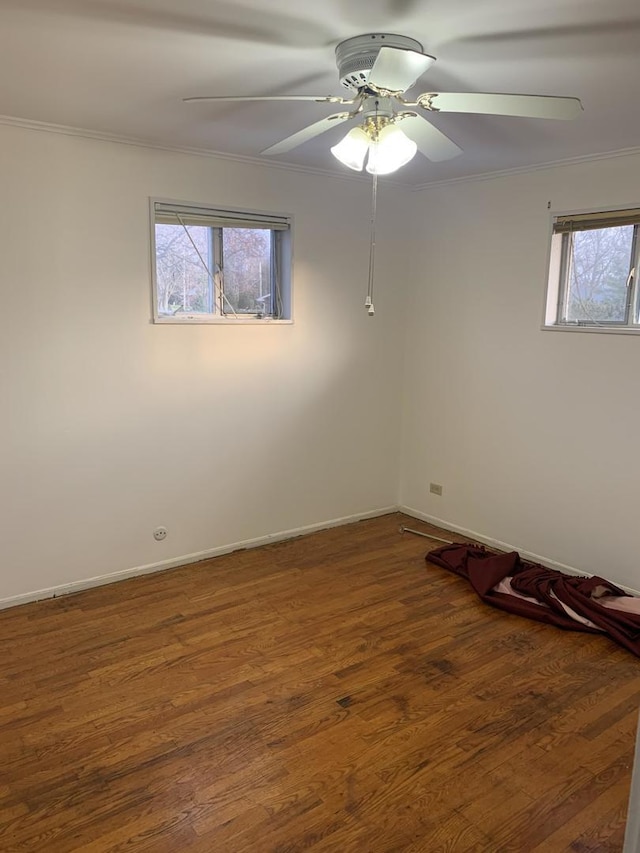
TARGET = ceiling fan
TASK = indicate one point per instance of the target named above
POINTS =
(377, 69)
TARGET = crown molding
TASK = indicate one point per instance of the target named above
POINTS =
(103, 136)
(525, 170)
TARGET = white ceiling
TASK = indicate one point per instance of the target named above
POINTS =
(122, 67)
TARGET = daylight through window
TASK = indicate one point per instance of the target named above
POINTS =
(592, 273)
(212, 265)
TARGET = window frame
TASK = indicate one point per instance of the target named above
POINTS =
(556, 289)
(281, 263)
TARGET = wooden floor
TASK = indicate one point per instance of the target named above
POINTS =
(332, 693)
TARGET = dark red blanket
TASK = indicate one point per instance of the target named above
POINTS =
(550, 589)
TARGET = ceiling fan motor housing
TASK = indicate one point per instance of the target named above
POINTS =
(355, 56)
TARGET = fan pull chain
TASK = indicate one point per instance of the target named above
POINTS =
(372, 248)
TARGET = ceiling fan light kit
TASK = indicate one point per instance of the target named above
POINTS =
(390, 150)
(352, 150)
(387, 146)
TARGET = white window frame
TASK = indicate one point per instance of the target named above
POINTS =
(557, 270)
(282, 237)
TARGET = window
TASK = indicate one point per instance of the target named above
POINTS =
(592, 272)
(212, 265)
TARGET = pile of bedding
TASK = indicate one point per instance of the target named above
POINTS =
(590, 604)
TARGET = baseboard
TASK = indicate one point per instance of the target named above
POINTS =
(186, 559)
(501, 546)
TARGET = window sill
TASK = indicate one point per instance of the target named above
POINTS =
(598, 330)
(219, 321)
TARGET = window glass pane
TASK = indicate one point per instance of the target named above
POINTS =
(246, 262)
(599, 265)
(182, 281)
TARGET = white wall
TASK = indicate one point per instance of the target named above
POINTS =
(533, 434)
(112, 425)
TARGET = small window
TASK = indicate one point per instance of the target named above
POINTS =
(592, 271)
(212, 265)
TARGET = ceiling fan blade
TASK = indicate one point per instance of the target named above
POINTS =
(601, 38)
(403, 7)
(397, 69)
(223, 19)
(307, 133)
(527, 106)
(320, 99)
(430, 141)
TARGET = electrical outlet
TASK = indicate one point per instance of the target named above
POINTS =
(435, 488)
(160, 533)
